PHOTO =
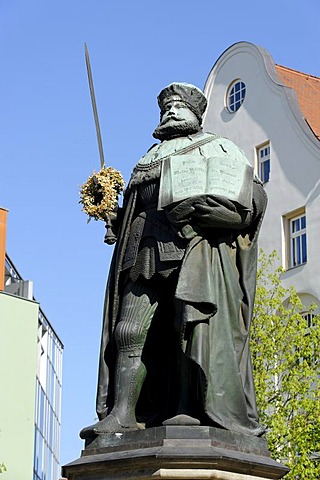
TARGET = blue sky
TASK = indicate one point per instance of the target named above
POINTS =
(48, 143)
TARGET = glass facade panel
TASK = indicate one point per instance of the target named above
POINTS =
(49, 467)
(48, 415)
(41, 413)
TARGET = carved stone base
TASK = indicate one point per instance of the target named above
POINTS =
(175, 452)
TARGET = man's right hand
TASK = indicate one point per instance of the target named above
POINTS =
(113, 222)
(110, 238)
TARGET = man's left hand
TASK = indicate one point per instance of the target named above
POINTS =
(219, 212)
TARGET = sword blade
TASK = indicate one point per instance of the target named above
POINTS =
(94, 106)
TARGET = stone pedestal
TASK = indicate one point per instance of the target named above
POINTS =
(175, 452)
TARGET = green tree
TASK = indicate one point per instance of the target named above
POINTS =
(285, 353)
(2, 468)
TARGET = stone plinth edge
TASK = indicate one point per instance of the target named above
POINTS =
(175, 452)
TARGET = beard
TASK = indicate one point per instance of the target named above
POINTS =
(173, 129)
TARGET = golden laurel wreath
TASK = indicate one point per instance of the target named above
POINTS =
(99, 194)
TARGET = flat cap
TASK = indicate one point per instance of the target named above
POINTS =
(189, 94)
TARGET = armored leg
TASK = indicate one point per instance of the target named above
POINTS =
(138, 307)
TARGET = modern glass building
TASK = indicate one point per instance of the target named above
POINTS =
(34, 373)
(48, 402)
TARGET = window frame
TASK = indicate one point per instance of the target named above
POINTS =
(260, 161)
(234, 105)
(309, 318)
(292, 253)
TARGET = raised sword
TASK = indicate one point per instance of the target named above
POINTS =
(94, 106)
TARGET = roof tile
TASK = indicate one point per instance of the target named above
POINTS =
(307, 88)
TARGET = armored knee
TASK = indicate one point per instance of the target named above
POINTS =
(125, 335)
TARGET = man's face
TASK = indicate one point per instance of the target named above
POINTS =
(176, 120)
(176, 111)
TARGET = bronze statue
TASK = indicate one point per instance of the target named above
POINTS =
(179, 299)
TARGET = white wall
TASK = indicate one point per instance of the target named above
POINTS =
(271, 112)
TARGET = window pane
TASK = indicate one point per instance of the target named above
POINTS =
(266, 171)
(298, 248)
(309, 317)
(293, 256)
(303, 222)
(304, 248)
(295, 225)
(236, 96)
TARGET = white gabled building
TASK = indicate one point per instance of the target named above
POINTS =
(273, 113)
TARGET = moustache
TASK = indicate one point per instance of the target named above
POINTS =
(168, 119)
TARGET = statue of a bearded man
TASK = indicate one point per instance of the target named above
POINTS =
(179, 299)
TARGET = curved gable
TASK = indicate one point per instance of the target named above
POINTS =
(256, 68)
